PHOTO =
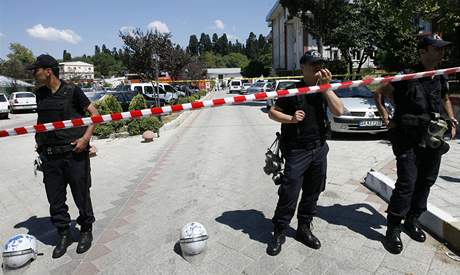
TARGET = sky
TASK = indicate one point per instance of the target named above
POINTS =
(52, 26)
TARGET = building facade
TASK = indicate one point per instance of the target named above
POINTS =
(290, 40)
(76, 70)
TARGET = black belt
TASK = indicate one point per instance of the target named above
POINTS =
(56, 149)
(307, 146)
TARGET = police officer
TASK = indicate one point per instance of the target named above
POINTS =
(418, 153)
(64, 153)
(303, 141)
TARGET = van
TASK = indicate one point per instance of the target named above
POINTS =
(236, 86)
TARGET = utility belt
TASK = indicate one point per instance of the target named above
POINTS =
(311, 145)
(427, 130)
(55, 149)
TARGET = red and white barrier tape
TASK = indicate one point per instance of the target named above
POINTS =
(156, 111)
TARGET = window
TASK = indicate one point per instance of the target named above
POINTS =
(25, 95)
(169, 89)
(148, 89)
(138, 89)
(2, 98)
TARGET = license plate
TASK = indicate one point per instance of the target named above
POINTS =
(370, 123)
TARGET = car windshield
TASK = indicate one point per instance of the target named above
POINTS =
(2, 98)
(285, 85)
(94, 96)
(148, 89)
(259, 84)
(123, 88)
(235, 83)
(24, 95)
(361, 91)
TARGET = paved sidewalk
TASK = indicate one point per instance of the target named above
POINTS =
(445, 193)
(209, 169)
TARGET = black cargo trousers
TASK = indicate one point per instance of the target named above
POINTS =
(60, 170)
(305, 169)
(417, 170)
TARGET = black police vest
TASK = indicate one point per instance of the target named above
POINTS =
(421, 98)
(58, 107)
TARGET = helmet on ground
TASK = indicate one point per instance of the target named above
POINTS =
(19, 250)
(193, 238)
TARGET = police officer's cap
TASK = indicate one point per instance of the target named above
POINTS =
(311, 57)
(43, 61)
(432, 40)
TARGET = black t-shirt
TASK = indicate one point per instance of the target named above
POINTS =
(434, 88)
(80, 101)
(312, 128)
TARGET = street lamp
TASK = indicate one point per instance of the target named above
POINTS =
(156, 57)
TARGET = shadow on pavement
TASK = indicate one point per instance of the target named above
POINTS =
(251, 222)
(363, 223)
(43, 229)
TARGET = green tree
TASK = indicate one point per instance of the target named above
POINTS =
(235, 60)
(66, 56)
(106, 65)
(255, 69)
(205, 43)
(193, 44)
(251, 46)
(215, 37)
(318, 16)
(140, 48)
(15, 64)
(222, 45)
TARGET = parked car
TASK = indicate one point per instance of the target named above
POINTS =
(361, 114)
(4, 106)
(124, 98)
(94, 96)
(244, 89)
(235, 86)
(260, 87)
(23, 101)
(170, 89)
(281, 85)
(148, 89)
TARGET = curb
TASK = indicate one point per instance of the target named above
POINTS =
(436, 220)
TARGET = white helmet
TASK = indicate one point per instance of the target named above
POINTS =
(193, 238)
(19, 250)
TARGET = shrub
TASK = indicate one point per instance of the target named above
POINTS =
(138, 126)
(137, 103)
(109, 105)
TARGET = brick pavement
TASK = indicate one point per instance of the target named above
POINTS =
(144, 192)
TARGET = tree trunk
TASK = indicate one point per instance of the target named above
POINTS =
(319, 44)
(361, 63)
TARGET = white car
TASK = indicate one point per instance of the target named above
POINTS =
(244, 89)
(281, 85)
(4, 106)
(23, 101)
(235, 86)
(361, 114)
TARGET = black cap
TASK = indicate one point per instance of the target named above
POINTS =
(43, 61)
(311, 56)
(432, 40)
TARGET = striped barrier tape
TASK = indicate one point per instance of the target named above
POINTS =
(156, 111)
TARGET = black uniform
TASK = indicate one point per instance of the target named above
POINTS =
(417, 165)
(305, 151)
(62, 166)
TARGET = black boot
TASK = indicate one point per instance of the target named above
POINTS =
(413, 229)
(86, 237)
(305, 236)
(65, 239)
(393, 241)
(279, 238)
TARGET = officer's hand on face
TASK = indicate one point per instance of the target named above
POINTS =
(80, 144)
(298, 116)
(324, 76)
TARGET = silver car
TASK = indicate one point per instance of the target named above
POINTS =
(361, 114)
(281, 85)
